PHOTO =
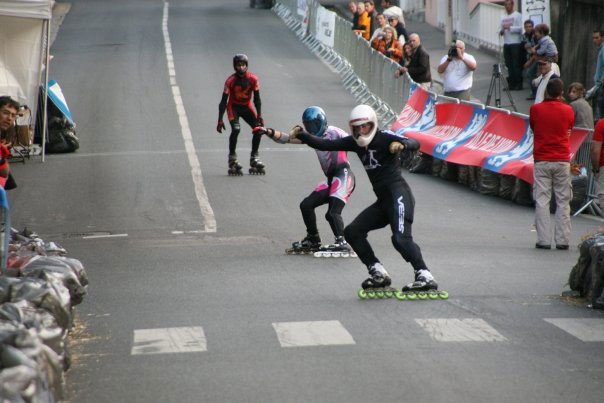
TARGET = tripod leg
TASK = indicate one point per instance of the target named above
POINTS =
(491, 88)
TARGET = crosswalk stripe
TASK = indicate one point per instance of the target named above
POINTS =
(584, 329)
(169, 340)
(313, 333)
(452, 330)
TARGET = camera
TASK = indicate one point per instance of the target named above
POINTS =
(452, 50)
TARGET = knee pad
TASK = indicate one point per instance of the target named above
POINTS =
(235, 128)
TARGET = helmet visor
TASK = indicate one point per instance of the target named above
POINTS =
(314, 126)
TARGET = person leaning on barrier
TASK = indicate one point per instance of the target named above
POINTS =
(9, 110)
(597, 160)
(457, 69)
(552, 121)
(584, 115)
(419, 64)
(546, 73)
(388, 45)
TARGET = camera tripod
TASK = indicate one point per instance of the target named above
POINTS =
(497, 84)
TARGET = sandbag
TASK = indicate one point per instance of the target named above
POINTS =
(523, 193)
(437, 165)
(449, 171)
(474, 174)
(587, 275)
(463, 174)
(61, 269)
(489, 182)
(49, 294)
(506, 186)
(420, 163)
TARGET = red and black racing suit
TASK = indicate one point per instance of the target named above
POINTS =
(395, 202)
(237, 101)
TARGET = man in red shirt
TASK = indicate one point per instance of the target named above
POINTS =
(551, 122)
(597, 159)
(237, 101)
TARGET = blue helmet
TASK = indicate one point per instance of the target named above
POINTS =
(315, 120)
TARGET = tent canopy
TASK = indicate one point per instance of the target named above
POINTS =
(39, 9)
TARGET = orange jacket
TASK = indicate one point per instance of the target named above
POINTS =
(365, 22)
(396, 52)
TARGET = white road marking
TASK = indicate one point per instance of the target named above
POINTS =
(200, 190)
(317, 333)
(447, 330)
(175, 152)
(169, 340)
(584, 329)
(104, 236)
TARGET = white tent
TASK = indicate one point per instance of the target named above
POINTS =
(24, 49)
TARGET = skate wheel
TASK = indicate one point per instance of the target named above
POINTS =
(345, 254)
(389, 294)
(362, 294)
(411, 296)
(432, 294)
(371, 294)
(352, 254)
(443, 295)
(318, 254)
(379, 294)
(401, 296)
(336, 254)
(422, 295)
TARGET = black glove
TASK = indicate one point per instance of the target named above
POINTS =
(220, 126)
(263, 130)
(259, 121)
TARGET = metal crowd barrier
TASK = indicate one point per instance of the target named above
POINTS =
(369, 76)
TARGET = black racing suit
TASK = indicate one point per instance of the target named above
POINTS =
(395, 202)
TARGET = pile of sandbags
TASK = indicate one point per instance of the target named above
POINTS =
(587, 276)
(37, 296)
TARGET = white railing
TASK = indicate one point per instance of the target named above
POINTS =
(481, 27)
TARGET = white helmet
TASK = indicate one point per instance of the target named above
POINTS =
(360, 115)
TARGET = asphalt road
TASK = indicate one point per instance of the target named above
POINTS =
(176, 314)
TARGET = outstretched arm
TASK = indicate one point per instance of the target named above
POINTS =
(398, 143)
(278, 136)
(341, 144)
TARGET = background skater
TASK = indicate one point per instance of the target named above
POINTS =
(237, 101)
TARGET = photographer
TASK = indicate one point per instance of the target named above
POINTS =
(457, 69)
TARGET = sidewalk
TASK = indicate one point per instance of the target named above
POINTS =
(433, 41)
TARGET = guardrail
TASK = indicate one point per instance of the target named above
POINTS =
(369, 75)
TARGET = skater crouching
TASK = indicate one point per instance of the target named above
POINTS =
(334, 191)
(237, 102)
(379, 153)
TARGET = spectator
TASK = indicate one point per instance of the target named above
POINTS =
(364, 21)
(551, 122)
(9, 109)
(388, 45)
(407, 53)
(545, 47)
(352, 6)
(381, 24)
(598, 88)
(401, 32)
(370, 7)
(531, 65)
(390, 8)
(457, 69)
(546, 73)
(597, 160)
(584, 116)
(511, 30)
(419, 65)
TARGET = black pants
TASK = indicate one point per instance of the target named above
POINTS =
(514, 56)
(393, 206)
(333, 215)
(250, 118)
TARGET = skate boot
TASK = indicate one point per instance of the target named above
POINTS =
(256, 166)
(234, 166)
(338, 249)
(310, 244)
(377, 285)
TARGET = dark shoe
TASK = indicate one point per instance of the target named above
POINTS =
(562, 247)
(539, 246)
(530, 98)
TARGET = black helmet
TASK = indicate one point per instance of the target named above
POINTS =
(239, 58)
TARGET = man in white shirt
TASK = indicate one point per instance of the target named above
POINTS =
(547, 73)
(457, 69)
(511, 30)
(390, 8)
